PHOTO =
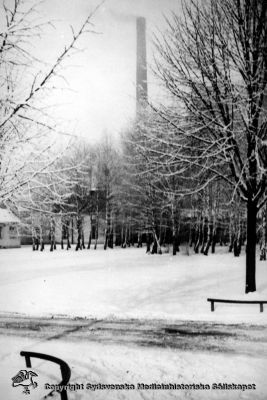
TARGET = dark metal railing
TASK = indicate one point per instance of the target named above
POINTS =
(64, 368)
(260, 302)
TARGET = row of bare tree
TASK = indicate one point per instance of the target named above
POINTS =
(200, 155)
(212, 60)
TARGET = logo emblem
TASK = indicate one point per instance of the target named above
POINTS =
(24, 378)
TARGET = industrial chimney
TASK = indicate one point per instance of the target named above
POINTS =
(141, 64)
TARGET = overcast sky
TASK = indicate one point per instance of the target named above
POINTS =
(102, 77)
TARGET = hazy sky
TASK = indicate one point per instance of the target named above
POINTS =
(102, 77)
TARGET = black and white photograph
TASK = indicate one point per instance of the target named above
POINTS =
(133, 199)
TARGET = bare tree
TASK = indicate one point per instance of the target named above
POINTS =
(26, 83)
(213, 61)
(108, 172)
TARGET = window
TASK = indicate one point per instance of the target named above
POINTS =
(1, 232)
(12, 232)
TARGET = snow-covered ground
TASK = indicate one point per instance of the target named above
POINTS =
(128, 283)
(118, 364)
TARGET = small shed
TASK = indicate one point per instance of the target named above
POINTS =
(9, 233)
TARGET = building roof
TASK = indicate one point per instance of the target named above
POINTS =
(6, 216)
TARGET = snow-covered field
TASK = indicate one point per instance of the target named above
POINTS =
(118, 364)
(128, 283)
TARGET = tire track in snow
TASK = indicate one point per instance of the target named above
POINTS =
(184, 335)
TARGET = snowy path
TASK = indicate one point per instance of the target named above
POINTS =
(185, 335)
(134, 351)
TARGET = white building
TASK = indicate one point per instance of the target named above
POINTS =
(9, 235)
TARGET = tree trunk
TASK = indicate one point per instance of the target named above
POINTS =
(90, 233)
(106, 239)
(68, 234)
(78, 245)
(72, 231)
(33, 239)
(130, 231)
(231, 235)
(148, 243)
(209, 238)
(191, 235)
(110, 230)
(174, 231)
(156, 248)
(114, 230)
(37, 243)
(89, 239)
(214, 234)
(178, 242)
(214, 240)
(96, 234)
(41, 239)
(96, 221)
(197, 236)
(174, 242)
(110, 239)
(80, 239)
(122, 234)
(107, 221)
(263, 236)
(139, 240)
(124, 243)
(203, 238)
(251, 247)
(62, 234)
(52, 234)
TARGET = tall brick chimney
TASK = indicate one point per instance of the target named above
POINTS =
(141, 63)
